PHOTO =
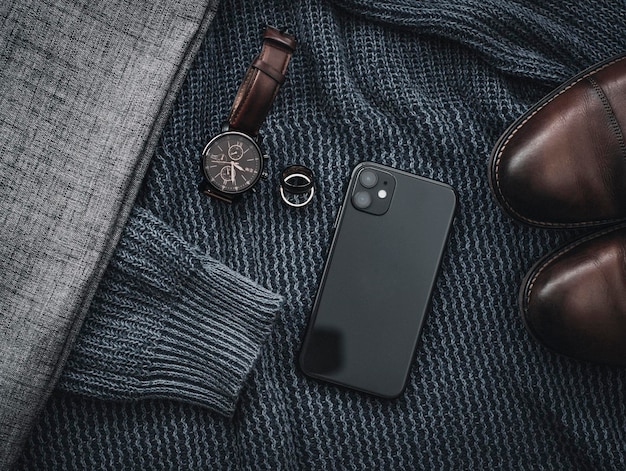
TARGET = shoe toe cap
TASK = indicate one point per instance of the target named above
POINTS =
(563, 162)
(575, 304)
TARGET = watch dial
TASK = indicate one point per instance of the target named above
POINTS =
(232, 162)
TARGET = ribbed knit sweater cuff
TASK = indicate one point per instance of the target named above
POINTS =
(169, 322)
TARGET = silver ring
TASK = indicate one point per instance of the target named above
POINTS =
(308, 179)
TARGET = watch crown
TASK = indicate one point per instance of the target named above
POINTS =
(266, 157)
(264, 175)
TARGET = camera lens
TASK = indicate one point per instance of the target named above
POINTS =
(362, 200)
(368, 178)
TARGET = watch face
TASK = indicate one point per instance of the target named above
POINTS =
(232, 162)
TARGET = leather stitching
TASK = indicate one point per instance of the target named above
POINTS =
(610, 114)
(517, 128)
(558, 253)
(241, 96)
(254, 75)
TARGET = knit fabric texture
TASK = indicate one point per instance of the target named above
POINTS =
(204, 375)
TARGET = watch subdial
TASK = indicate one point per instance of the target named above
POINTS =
(235, 151)
(227, 174)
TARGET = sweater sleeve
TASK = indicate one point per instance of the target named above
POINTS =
(170, 322)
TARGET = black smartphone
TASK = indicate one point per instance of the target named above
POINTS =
(389, 239)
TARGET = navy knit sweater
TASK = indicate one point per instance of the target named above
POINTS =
(187, 359)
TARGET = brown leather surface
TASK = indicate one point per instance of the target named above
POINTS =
(261, 82)
(563, 164)
(574, 301)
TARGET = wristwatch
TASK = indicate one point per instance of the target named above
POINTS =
(232, 162)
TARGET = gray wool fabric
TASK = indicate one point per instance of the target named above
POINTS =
(85, 89)
(188, 356)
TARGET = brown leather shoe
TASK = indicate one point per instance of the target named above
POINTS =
(574, 300)
(563, 163)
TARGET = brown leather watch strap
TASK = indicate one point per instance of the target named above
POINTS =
(261, 82)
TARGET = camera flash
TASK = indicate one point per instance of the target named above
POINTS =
(382, 194)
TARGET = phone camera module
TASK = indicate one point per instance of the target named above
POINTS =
(368, 179)
(362, 200)
(373, 190)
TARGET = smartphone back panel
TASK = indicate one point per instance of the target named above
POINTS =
(377, 282)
